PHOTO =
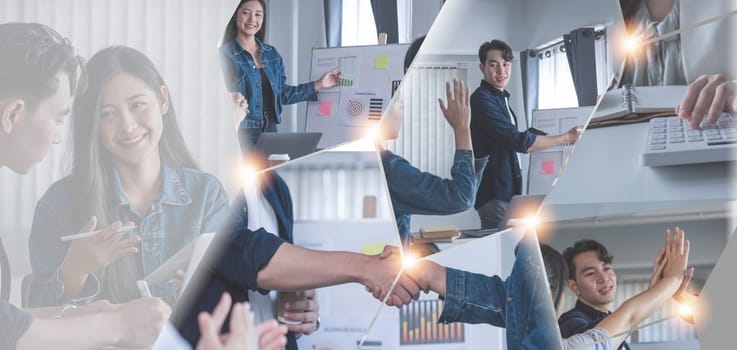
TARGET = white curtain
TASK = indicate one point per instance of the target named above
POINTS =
(555, 83)
(404, 19)
(335, 189)
(603, 64)
(358, 27)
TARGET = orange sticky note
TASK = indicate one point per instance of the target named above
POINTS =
(326, 108)
(548, 167)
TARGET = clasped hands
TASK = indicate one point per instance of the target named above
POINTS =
(413, 278)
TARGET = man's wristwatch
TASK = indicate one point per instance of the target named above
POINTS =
(60, 310)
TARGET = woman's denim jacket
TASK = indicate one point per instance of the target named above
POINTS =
(242, 75)
(190, 202)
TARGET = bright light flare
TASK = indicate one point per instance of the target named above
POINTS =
(409, 260)
(372, 134)
(249, 175)
(631, 43)
(685, 310)
(532, 221)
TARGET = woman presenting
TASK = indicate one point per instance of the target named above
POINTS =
(254, 71)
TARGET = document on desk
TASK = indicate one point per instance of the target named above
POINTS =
(186, 259)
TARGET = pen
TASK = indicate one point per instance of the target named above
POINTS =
(90, 234)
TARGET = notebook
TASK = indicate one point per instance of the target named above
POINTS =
(618, 103)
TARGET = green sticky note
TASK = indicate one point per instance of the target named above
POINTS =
(372, 248)
(382, 62)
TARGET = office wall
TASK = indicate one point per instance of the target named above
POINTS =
(547, 19)
(294, 28)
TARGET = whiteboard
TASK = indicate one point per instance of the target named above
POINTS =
(369, 77)
(545, 165)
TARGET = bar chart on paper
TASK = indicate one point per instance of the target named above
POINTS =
(349, 71)
(418, 324)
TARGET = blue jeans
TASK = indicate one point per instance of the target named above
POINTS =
(522, 303)
(492, 213)
(248, 137)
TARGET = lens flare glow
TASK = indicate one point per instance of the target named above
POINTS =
(631, 43)
(685, 310)
(409, 260)
(532, 221)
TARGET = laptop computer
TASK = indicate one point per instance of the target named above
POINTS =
(295, 144)
(520, 208)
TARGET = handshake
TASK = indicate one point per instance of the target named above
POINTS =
(397, 281)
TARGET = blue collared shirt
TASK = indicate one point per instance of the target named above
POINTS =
(522, 303)
(190, 202)
(243, 254)
(493, 134)
(242, 75)
(415, 192)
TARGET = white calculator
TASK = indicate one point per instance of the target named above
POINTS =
(671, 142)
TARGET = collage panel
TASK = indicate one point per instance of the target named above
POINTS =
(520, 142)
(307, 230)
(667, 125)
(338, 192)
(658, 159)
(489, 293)
(611, 271)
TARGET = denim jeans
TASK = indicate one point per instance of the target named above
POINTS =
(522, 303)
(248, 137)
(492, 213)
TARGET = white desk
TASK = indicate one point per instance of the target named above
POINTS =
(604, 177)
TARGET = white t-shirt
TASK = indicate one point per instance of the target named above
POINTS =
(260, 215)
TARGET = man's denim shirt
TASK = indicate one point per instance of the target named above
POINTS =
(522, 303)
(494, 135)
(415, 192)
(242, 75)
(190, 202)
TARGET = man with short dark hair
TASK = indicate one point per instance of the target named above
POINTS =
(494, 132)
(592, 278)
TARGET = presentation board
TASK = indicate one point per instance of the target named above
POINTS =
(369, 77)
(545, 165)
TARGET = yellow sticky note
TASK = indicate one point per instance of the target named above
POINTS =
(372, 248)
(382, 62)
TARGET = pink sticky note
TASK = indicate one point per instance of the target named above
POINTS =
(326, 108)
(548, 167)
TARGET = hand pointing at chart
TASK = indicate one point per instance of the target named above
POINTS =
(329, 79)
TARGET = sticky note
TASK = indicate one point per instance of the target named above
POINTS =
(372, 248)
(326, 108)
(381, 62)
(548, 167)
